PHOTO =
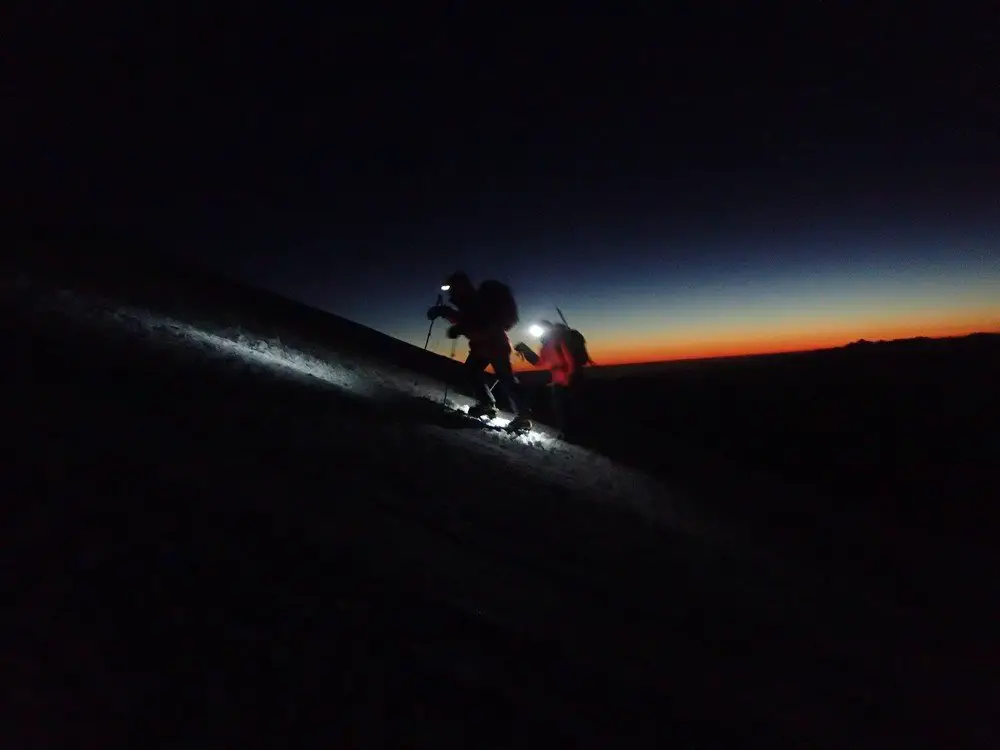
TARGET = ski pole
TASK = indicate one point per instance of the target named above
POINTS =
(447, 384)
(440, 301)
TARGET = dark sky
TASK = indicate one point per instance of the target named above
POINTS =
(644, 173)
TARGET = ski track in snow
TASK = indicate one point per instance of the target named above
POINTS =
(536, 453)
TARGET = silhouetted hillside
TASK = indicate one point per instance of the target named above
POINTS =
(881, 435)
(132, 271)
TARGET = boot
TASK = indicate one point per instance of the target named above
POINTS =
(519, 424)
(482, 410)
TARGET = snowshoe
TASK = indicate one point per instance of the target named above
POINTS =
(479, 411)
(519, 424)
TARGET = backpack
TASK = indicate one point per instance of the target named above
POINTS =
(498, 305)
(577, 346)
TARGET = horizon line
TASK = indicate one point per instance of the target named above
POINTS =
(518, 367)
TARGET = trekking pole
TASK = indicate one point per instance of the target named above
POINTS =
(447, 383)
(440, 301)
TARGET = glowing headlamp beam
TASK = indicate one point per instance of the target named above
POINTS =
(445, 287)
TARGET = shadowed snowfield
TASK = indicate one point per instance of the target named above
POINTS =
(396, 395)
(214, 539)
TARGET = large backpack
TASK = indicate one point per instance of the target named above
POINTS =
(498, 305)
(577, 346)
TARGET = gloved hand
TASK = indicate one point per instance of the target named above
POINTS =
(525, 352)
(454, 332)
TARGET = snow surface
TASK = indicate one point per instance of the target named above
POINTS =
(585, 474)
(504, 530)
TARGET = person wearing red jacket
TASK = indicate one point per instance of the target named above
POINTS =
(555, 357)
(488, 345)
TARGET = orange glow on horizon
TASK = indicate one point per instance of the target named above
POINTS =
(639, 351)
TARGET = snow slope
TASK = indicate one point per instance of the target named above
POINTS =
(232, 538)
(399, 392)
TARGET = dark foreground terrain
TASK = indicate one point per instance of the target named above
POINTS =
(895, 445)
(207, 552)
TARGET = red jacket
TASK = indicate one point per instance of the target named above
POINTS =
(555, 357)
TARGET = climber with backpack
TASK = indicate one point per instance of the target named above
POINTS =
(564, 354)
(484, 315)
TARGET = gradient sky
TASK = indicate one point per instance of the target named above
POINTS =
(687, 184)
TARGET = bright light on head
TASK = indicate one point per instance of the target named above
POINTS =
(536, 330)
(445, 287)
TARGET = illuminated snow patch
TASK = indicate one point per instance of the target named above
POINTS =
(495, 422)
(271, 355)
(242, 347)
(531, 437)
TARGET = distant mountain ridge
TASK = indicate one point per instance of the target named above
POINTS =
(917, 340)
(980, 341)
